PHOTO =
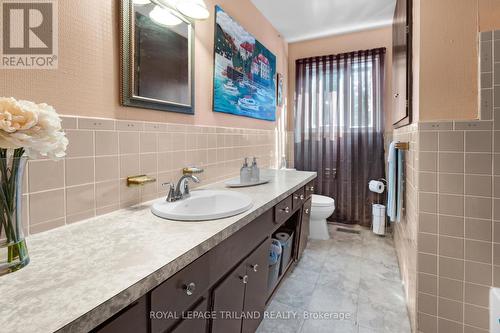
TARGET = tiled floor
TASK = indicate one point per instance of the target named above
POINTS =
(353, 274)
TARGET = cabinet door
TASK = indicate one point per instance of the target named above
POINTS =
(180, 293)
(402, 63)
(256, 288)
(228, 302)
(133, 319)
(304, 227)
(194, 324)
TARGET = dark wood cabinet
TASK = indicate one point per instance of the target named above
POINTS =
(133, 319)
(402, 64)
(233, 250)
(195, 320)
(228, 298)
(309, 190)
(243, 291)
(283, 210)
(229, 282)
(179, 293)
(298, 198)
(304, 227)
(256, 289)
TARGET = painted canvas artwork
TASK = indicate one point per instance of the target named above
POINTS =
(244, 73)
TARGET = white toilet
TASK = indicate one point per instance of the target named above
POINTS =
(322, 208)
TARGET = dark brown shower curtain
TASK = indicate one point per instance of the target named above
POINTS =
(339, 124)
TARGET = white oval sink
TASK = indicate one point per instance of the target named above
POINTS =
(204, 205)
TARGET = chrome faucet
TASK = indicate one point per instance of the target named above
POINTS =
(181, 191)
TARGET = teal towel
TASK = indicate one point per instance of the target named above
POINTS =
(392, 182)
(400, 185)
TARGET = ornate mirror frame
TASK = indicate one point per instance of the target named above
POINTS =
(127, 59)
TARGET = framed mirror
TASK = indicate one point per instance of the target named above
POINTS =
(157, 63)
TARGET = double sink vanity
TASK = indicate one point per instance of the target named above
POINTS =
(132, 271)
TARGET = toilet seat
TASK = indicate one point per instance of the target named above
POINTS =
(322, 201)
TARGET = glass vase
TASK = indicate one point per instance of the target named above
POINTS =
(13, 250)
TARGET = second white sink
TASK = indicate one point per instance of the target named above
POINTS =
(204, 205)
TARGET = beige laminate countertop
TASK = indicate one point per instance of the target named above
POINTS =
(82, 274)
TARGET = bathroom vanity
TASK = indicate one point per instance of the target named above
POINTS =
(227, 286)
(162, 275)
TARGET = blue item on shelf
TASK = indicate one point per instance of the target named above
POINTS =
(274, 252)
(274, 264)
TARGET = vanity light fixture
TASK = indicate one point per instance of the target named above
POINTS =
(163, 16)
(141, 2)
(195, 9)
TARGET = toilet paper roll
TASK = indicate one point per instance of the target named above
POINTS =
(282, 237)
(376, 186)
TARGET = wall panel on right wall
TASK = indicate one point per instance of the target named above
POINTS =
(458, 212)
(489, 12)
(448, 59)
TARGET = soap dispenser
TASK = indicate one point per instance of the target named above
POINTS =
(255, 171)
(245, 172)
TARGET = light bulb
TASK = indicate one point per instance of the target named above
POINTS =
(195, 9)
(164, 17)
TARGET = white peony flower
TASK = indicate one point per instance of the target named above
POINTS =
(34, 127)
(14, 116)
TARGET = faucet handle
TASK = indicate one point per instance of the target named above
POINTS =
(171, 191)
(192, 171)
(185, 183)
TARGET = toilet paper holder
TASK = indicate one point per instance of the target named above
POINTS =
(380, 180)
(379, 191)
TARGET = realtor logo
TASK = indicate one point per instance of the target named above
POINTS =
(29, 34)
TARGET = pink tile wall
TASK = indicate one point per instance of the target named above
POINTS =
(456, 242)
(458, 211)
(452, 220)
(91, 180)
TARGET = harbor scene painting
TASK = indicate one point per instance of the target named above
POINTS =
(244, 73)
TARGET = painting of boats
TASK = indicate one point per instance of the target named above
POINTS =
(244, 72)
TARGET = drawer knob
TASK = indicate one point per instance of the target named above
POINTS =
(244, 279)
(307, 211)
(301, 197)
(311, 188)
(286, 210)
(190, 288)
(255, 268)
(295, 197)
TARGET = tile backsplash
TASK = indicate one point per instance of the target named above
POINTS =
(91, 180)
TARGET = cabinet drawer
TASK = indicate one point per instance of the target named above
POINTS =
(298, 198)
(309, 190)
(283, 210)
(180, 292)
(133, 319)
